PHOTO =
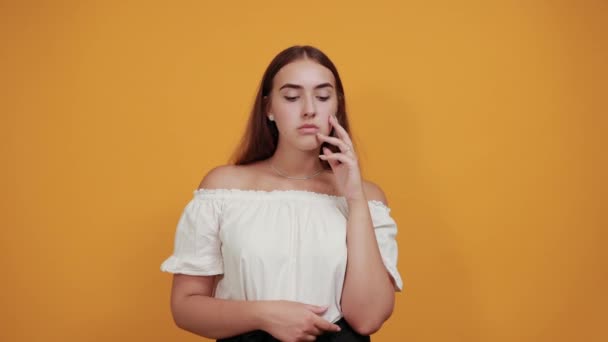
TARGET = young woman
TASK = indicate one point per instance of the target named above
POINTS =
(287, 243)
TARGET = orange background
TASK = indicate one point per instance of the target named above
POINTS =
(483, 122)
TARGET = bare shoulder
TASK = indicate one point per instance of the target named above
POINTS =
(224, 177)
(373, 192)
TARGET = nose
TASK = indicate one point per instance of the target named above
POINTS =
(309, 109)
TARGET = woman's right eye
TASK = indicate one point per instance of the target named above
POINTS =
(291, 98)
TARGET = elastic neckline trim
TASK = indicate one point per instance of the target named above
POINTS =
(293, 193)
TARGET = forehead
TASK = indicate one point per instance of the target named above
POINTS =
(304, 72)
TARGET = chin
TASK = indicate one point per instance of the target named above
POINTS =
(312, 146)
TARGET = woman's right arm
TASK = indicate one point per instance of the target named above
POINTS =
(196, 310)
(192, 304)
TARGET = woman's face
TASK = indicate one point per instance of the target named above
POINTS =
(303, 93)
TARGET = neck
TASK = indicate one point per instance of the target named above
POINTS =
(296, 163)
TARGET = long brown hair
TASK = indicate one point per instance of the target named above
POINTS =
(261, 135)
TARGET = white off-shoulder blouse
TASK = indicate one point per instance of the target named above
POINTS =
(274, 245)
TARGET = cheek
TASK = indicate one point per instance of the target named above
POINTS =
(325, 125)
(286, 119)
(324, 113)
(284, 114)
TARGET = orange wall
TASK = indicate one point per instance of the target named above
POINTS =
(482, 122)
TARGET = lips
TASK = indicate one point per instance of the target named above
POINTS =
(308, 126)
(308, 129)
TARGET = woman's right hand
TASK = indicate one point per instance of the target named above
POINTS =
(292, 321)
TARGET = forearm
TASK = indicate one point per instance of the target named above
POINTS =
(216, 318)
(368, 293)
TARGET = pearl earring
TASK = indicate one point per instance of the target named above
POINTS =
(271, 117)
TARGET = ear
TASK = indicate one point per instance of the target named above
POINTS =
(266, 104)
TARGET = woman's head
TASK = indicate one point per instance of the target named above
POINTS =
(300, 86)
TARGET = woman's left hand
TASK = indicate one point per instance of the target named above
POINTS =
(344, 163)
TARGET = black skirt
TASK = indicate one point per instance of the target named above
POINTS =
(347, 334)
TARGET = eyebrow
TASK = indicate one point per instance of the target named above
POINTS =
(296, 86)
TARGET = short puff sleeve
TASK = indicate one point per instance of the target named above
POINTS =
(197, 247)
(385, 229)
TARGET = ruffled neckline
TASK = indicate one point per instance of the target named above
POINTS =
(280, 193)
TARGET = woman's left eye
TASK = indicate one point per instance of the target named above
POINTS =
(323, 98)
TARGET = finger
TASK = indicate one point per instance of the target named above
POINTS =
(337, 157)
(333, 163)
(327, 326)
(342, 133)
(310, 338)
(314, 331)
(316, 309)
(344, 147)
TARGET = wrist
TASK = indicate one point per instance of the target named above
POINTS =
(259, 312)
(358, 196)
(356, 199)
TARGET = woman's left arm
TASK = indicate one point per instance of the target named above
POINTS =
(368, 295)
